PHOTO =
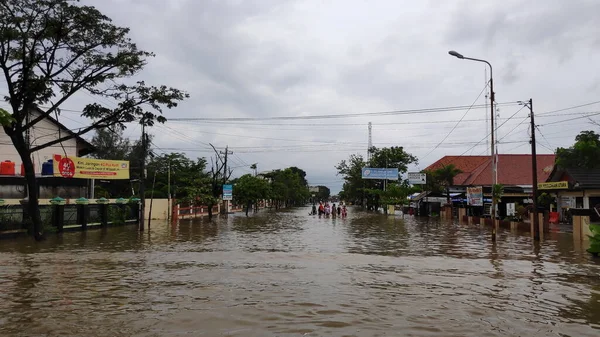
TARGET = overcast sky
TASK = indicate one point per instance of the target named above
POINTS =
(267, 58)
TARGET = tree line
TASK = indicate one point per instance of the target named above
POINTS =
(194, 181)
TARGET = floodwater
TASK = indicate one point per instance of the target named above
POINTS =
(289, 274)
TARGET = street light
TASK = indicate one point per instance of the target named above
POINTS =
(492, 99)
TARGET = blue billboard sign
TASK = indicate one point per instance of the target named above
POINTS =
(227, 192)
(380, 173)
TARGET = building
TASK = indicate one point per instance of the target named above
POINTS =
(573, 188)
(48, 129)
(513, 169)
(514, 172)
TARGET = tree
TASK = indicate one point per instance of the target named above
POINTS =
(497, 193)
(52, 49)
(189, 180)
(288, 187)
(248, 189)
(446, 175)
(217, 177)
(355, 188)
(110, 144)
(585, 153)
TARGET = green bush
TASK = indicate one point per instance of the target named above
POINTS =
(594, 239)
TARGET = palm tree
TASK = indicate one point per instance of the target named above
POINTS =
(446, 175)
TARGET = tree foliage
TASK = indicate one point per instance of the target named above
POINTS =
(52, 49)
(249, 189)
(585, 153)
(288, 187)
(444, 176)
(358, 190)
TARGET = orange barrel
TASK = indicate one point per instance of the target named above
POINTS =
(7, 168)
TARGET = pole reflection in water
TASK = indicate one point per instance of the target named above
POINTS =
(287, 273)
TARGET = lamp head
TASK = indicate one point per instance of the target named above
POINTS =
(456, 54)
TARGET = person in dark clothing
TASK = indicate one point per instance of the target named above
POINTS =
(339, 210)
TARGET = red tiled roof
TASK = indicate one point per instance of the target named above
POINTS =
(513, 169)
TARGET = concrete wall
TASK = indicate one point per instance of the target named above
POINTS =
(41, 133)
(160, 209)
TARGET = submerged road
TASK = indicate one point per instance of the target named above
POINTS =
(289, 274)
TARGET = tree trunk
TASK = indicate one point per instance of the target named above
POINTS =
(210, 211)
(33, 209)
(248, 205)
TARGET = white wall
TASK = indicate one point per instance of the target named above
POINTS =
(41, 133)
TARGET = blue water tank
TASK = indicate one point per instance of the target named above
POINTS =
(48, 168)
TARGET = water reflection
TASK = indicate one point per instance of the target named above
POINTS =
(289, 274)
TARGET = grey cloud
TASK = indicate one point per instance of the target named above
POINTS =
(555, 27)
(267, 58)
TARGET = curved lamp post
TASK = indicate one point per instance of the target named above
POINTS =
(492, 99)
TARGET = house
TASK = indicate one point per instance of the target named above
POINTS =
(513, 169)
(48, 129)
(514, 172)
(577, 188)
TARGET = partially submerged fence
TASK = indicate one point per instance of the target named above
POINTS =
(60, 217)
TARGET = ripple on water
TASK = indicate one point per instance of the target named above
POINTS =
(287, 274)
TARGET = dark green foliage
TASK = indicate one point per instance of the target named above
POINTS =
(288, 187)
(248, 189)
(585, 153)
(52, 49)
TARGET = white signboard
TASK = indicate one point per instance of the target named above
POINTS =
(417, 178)
(313, 189)
(567, 202)
(510, 209)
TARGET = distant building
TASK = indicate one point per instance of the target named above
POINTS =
(514, 172)
(513, 169)
(577, 188)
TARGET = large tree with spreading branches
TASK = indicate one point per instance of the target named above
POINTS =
(52, 49)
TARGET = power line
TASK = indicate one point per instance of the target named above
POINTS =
(569, 108)
(540, 131)
(348, 115)
(571, 119)
(458, 122)
(498, 127)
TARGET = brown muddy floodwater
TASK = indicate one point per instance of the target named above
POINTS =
(290, 274)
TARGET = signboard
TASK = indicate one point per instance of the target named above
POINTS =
(380, 173)
(227, 192)
(313, 189)
(567, 202)
(510, 209)
(555, 185)
(417, 178)
(436, 199)
(87, 168)
(475, 196)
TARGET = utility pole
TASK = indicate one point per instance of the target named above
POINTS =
(225, 209)
(169, 201)
(536, 219)
(143, 178)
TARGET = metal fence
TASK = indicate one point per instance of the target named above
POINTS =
(14, 217)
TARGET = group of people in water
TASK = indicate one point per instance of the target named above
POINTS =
(326, 210)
